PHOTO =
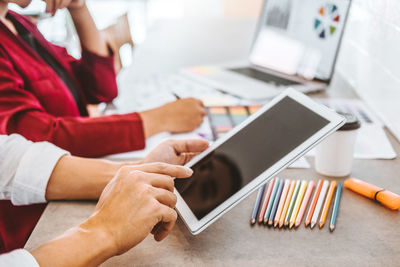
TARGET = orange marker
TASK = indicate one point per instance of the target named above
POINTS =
(313, 203)
(304, 204)
(266, 200)
(327, 204)
(281, 202)
(386, 198)
(287, 202)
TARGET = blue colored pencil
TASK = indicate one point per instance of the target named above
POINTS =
(257, 204)
(336, 207)
(273, 194)
(276, 202)
(292, 202)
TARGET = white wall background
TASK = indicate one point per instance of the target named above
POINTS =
(370, 56)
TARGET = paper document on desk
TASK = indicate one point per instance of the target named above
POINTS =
(372, 142)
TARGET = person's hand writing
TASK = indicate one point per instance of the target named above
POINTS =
(182, 115)
(176, 151)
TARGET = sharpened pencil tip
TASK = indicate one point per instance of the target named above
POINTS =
(270, 223)
(296, 225)
(321, 224)
(306, 223)
(291, 225)
(265, 221)
(313, 224)
(332, 227)
(252, 221)
(280, 225)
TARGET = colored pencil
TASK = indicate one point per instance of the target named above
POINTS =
(327, 204)
(336, 207)
(276, 202)
(271, 200)
(319, 203)
(304, 204)
(257, 204)
(286, 206)
(313, 203)
(266, 199)
(299, 199)
(282, 202)
(292, 202)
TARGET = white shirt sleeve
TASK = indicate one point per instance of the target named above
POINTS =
(25, 169)
(18, 258)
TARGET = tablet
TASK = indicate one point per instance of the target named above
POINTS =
(252, 153)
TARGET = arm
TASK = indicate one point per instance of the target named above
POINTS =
(112, 230)
(88, 33)
(95, 70)
(36, 172)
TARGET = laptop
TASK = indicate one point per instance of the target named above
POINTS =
(296, 45)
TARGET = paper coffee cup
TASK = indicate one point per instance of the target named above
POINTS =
(334, 155)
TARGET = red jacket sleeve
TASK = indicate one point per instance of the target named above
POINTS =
(21, 112)
(94, 73)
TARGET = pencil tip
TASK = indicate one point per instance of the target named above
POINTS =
(321, 224)
(312, 225)
(291, 225)
(265, 221)
(252, 221)
(296, 225)
(275, 224)
(306, 223)
(270, 223)
(332, 227)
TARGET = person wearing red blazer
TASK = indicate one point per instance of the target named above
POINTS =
(44, 93)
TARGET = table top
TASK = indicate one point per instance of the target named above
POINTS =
(366, 234)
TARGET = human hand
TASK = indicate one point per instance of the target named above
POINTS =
(138, 200)
(53, 5)
(182, 115)
(177, 152)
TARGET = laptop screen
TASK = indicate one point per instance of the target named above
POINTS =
(300, 37)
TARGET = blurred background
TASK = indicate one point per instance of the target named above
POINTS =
(368, 56)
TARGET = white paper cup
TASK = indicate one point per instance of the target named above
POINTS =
(334, 155)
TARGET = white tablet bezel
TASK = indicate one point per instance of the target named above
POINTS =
(335, 121)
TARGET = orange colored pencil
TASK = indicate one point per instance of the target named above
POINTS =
(266, 199)
(327, 204)
(287, 202)
(313, 203)
(281, 202)
(304, 204)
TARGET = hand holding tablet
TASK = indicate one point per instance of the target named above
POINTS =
(252, 153)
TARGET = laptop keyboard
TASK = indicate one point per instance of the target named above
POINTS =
(265, 77)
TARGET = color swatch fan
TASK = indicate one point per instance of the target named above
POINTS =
(327, 21)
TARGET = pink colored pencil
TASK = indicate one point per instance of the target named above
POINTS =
(266, 199)
(282, 202)
(304, 204)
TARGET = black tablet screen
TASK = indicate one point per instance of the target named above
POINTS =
(247, 154)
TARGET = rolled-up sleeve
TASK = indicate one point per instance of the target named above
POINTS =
(25, 169)
(17, 258)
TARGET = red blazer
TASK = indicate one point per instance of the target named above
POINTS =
(35, 103)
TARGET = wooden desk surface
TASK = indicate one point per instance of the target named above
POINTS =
(366, 235)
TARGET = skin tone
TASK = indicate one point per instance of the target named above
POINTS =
(82, 178)
(183, 115)
(134, 202)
